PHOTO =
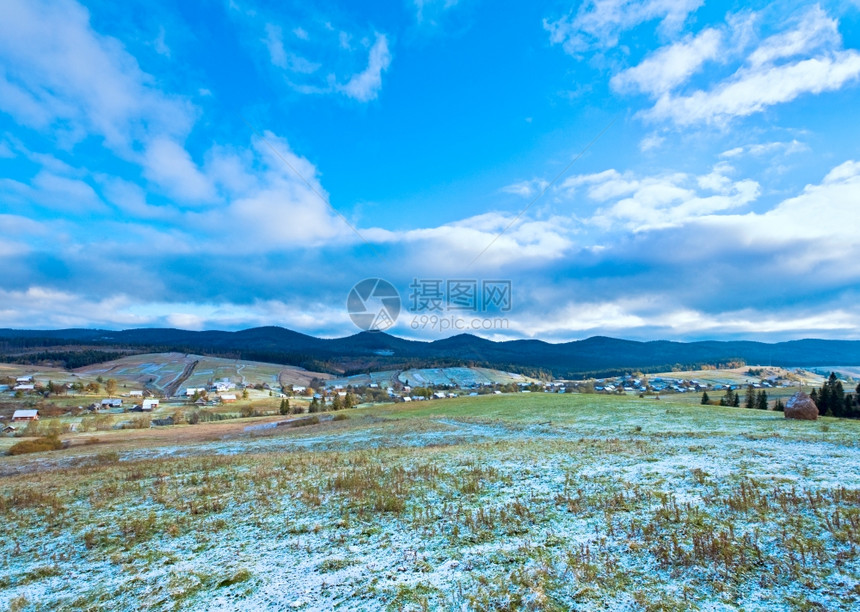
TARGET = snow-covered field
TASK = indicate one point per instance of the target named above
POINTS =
(534, 501)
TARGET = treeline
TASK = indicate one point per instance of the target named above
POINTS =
(66, 359)
(752, 400)
(832, 400)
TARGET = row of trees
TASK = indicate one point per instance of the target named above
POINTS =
(337, 403)
(832, 400)
(753, 399)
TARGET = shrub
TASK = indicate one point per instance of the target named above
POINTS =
(139, 422)
(340, 416)
(46, 443)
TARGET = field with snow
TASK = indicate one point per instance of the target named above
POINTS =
(174, 372)
(460, 377)
(536, 501)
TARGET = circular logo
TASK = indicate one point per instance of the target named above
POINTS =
(373, 304)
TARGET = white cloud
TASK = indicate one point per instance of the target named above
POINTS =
(641, 204)
(268, 206)
(130, 198)
(159, 43)
(58, 193)
(526, 189)
(599, 23)
(650, 142)
(670, 66)
(365, 85)
(766, 148)
(807, 58)
(58, 74)
(169, 165)
(754, 90)
(275, 44)
(815, 30)
(427, 11)
(647, 316)
(43, 307)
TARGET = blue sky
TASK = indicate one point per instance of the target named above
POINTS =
(221, 165)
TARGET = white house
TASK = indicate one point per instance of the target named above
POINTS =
(24, 388)
(227, 397)
(25, 415)
(149, 404)
(135, 393)
(114, 402)
(192, 391)
(24, 379)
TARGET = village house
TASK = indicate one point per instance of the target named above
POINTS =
(24, 379)
(24, 387)
(135, 393)
(227, 398)
(25, 415)
(111, 403)
(149, 404)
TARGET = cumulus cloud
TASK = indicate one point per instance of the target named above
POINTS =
(647, 203)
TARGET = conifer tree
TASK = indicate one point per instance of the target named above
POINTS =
(761, 400)
(750, 399)
(705, 399)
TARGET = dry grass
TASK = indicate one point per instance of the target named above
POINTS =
(485, 512)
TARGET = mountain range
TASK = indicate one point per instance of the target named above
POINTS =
(369, 351)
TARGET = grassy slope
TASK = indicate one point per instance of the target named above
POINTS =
(524, 501)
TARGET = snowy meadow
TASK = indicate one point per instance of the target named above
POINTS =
(525, 501)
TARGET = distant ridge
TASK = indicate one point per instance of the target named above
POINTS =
(376, 350)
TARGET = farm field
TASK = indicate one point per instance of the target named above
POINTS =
(523, 501)
(740, 376)
(173, 372)
(460, 377)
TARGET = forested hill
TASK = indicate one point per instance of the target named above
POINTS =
(366, 351)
